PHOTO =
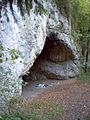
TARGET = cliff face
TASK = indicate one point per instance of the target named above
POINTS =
(45, 32)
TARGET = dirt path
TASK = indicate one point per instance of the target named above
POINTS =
(71, 94)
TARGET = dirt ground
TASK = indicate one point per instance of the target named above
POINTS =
(73, 96)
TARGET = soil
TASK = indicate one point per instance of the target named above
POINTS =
(73, 96)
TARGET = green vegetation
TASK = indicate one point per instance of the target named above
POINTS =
(1, 52)
(80, 18)
(88, 118)
(79, 13)
(20, 109)
(85, 77)
(14, 54)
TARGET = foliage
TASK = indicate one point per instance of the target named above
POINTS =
(88, 118)
(21, 109)
(80, 14)
(14, 54)
(80, 18)
(84, 77)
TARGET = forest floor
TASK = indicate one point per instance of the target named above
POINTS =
(73, 96)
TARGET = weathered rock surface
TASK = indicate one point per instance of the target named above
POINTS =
(58, 71)
(21, 42)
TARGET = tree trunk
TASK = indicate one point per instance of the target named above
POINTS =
(87, 56)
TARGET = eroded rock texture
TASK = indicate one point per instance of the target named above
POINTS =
(22, 40)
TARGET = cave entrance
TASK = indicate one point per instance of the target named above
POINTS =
(51, 63)
(51, 66)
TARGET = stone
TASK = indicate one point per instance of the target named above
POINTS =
(56, 71)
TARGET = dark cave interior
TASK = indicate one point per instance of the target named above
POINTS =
(54, 51)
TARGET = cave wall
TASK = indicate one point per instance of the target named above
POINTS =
(56, 61)
(22, 40)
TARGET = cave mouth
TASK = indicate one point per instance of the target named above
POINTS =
(51, 63)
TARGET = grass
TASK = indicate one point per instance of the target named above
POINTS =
(88, 118)
(84, 77)
(36, 110)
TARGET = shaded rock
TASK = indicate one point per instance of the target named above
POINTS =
(56, 61)
(52, 70)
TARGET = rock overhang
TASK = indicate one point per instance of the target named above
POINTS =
(56, 61)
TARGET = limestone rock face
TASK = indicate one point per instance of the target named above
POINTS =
(22, 40)
(59, 55)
